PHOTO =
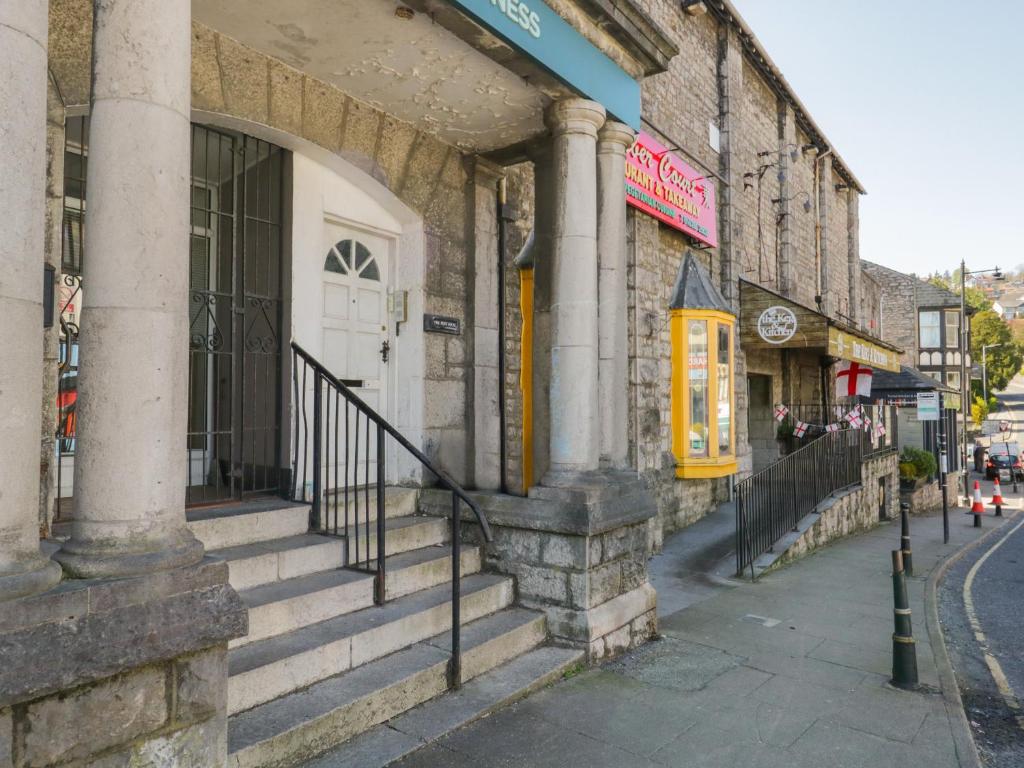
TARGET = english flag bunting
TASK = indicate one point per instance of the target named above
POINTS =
(780, 412)
(801, 428)
(853, 379)
(831, 427)
(879, 429)
(853, 418)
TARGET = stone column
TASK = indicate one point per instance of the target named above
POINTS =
(130, 464)
(613, 380)
(23, 84)
(575, 425)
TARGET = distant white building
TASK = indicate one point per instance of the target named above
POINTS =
(1009, 307)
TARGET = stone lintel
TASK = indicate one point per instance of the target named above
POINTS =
(87, 630)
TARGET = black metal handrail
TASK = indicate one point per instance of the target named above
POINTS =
(330, 396)
(770, 503)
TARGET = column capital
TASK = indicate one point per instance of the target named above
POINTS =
(615, 137)
(575, 116)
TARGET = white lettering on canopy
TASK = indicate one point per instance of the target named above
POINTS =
(520, 13)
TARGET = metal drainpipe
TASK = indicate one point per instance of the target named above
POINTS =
(817, 225)
(502, 418)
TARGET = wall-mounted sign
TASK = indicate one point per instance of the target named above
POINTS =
(660, 184)
(776, 325)
(927, 406)
(846, 346)
(535, 29)
(442, 324)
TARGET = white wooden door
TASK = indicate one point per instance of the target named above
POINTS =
(355, 328)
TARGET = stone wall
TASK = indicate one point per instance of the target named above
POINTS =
(838, 299)
(519, 179)
(119, 672)
(925, 499)
(871, 294)
(857, 509)
(580, 555)
(898, 305)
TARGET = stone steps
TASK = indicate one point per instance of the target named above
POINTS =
(402, 534)
(265, 562)
(308, 722)
(279, 607)
(261, 671)
(398, 502)
(389, 742)
(237, 525)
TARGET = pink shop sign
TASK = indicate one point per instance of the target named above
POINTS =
(663, 186)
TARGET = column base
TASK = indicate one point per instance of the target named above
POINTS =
(120, 672)
(578, 547)
(41, 574)
(93, 560)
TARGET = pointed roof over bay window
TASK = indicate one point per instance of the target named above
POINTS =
(695, 289)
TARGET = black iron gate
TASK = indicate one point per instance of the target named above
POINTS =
(236, 310)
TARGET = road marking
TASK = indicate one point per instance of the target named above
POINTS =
(993, 664)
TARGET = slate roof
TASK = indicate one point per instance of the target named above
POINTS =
(907, 380)
(929, 295)
(695, 289)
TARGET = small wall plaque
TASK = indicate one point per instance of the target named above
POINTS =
(442, 324)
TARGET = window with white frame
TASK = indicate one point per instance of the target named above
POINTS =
(929, 331)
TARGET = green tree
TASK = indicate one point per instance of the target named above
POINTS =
(1005, 360)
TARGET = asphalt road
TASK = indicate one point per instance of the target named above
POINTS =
(981, 608)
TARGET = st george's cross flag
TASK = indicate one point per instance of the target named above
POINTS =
(780, 412)
(801, 428)
(879, 430)
(853, 379)
(831, 427)
(853, 418)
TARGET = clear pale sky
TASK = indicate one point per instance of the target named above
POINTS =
(924, 100)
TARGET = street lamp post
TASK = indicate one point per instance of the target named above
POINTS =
(984, 369)
(965, 383)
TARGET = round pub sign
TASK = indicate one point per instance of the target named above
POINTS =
(776, 325)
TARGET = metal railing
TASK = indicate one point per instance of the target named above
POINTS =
(770, 503)
(339, 454)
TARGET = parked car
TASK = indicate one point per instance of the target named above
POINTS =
(1004, 461)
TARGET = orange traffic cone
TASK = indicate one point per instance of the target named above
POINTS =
(978, 507)
(997, 498)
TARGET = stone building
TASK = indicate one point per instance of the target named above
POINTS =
(786, 235)
(923, 320)
(350, 338)
(268, 315)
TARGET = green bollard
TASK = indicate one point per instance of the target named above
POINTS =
(904, 651)
(908, 560)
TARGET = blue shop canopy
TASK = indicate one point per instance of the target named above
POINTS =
(532, 27)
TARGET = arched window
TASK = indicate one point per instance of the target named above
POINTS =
(340, 260)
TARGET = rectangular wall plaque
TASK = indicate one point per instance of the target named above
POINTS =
(442, 324)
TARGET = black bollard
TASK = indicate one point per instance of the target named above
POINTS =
(977, 519)
(908, 560)
(904, 652)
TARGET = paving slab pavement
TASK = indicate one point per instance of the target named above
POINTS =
(789, 671)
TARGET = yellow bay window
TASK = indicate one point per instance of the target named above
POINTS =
(703, 407)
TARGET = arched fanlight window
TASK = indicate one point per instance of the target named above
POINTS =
(340, 260)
